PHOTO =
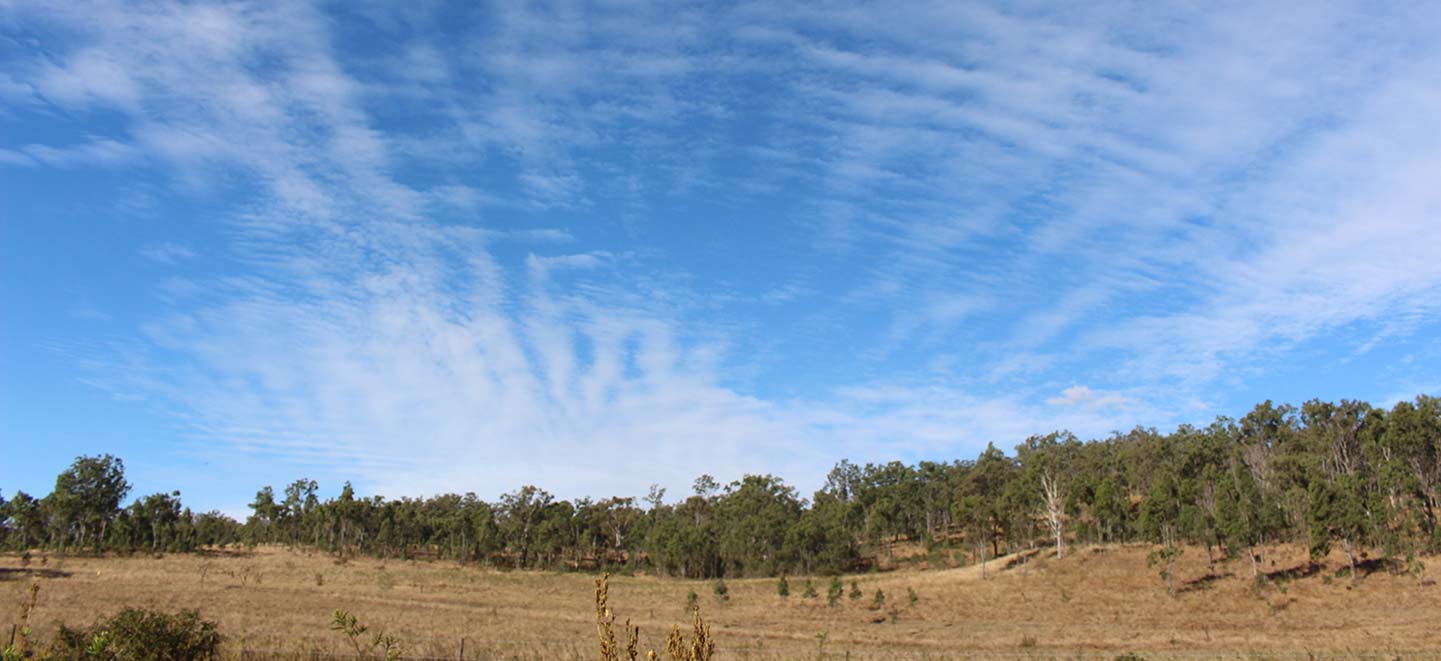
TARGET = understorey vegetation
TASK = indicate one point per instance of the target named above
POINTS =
(1347, 476)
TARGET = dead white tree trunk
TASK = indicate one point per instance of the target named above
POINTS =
(1051, 494)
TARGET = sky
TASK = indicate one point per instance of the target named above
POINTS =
(439, 247)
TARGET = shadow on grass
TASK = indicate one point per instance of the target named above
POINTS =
(17, 573)
(1305, 570)
(1372, 565)
(224, 553)
(1205, 582)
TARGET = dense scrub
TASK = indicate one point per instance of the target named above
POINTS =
(132, 634)
(1326, 475)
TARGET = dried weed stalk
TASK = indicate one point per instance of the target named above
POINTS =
(698, 647)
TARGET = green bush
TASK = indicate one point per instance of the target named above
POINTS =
(139, 634)
(833, 593)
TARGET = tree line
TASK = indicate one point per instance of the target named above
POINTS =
(1326, 475)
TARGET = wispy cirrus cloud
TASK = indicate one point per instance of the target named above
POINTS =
(479, 245)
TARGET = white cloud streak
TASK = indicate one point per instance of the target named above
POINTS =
(1187, 188)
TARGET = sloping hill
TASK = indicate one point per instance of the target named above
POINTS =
(1095, 602)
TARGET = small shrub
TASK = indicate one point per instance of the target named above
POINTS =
(912, 598)
(1028, 641)
(136, 633)
(722, 592)
(692, 600)
(810, 592)
(879, 600)
(319, 579)
(833, 593)
(783, 588)
(347, 624)
(855, 590)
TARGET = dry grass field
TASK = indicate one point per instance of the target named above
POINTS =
(1095, 603)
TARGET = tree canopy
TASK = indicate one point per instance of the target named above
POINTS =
(1327, 475)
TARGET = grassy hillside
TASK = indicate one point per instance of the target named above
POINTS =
(1099, 602)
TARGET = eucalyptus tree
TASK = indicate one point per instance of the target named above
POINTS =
(26, 521)
(1047, 467)
(618, 517)
(938, 491)
(158, 514)
(1339, 474)
(87, 497)
(1408, 459)
(265, 516)
(521, 512)
(1246, 514)
(889, 496)
(682, 539)
(979, 505)
(752, 518)
(1341, 492)
(818, 541)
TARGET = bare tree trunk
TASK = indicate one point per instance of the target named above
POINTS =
(1351, 558)
(1054, 509)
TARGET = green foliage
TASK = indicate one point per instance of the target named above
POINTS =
(692, 600)
(810, 592)
(879, 599)
(783, 587)
(139, 634)
(1335, 475)
(834, 591)
(855, 592)
(722, 593)
(345, 623)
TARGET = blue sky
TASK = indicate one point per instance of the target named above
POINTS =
(466, 246)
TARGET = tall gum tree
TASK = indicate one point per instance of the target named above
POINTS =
(1046, 464)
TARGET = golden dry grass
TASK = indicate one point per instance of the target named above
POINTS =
(1093, 603)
